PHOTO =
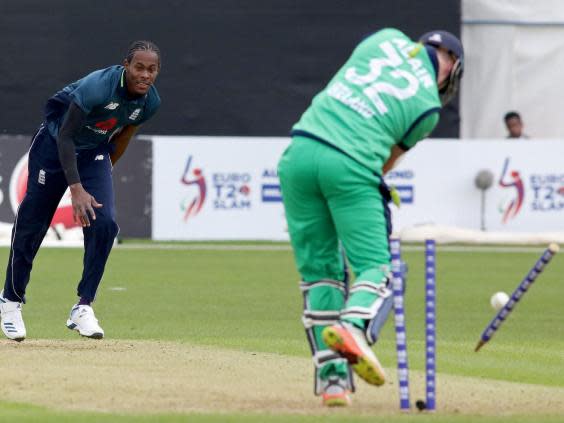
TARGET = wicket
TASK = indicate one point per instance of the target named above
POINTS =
(517, 294)
(399, 319)
(430, 325)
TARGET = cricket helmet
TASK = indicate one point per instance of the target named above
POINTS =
(450, 43)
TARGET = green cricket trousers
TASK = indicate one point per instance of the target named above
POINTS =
(335, 204)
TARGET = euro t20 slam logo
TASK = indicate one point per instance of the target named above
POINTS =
(544, 192)
(226, 190)
(232, 190)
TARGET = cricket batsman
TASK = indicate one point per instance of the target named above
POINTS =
(385, 99)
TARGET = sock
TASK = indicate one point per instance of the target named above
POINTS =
(84, 301)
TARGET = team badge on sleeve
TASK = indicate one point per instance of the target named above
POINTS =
(135, 114)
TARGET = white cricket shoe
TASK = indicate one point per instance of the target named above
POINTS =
(336, 392)
(83, 320)
(12, 322)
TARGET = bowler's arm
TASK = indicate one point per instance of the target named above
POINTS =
(121, 141)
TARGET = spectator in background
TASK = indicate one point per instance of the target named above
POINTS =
(514, 125)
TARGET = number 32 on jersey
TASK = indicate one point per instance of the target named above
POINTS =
(398, 83)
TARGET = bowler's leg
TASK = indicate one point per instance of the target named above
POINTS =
(45, 189)
(96, 177)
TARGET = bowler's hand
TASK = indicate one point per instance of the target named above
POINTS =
(83, 205)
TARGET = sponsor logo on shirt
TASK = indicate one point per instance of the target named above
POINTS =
(103, 127)
(135, 114)
(98, 131)
(99, 157)
(41, 178)
(112, 106)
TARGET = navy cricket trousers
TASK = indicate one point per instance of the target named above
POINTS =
(45, 187)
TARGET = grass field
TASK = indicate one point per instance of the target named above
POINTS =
(214, 335)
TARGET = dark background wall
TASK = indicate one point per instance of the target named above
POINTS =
(230, 67)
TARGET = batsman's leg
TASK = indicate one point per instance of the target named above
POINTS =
(358, 212)
(323, 301)
(318, 259)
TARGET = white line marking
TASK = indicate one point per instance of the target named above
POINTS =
(205, 247)
(287, 247)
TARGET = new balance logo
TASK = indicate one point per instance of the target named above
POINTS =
(135, 114)
(112, 106)
(99, 157)
(41, 178)
(436, 37)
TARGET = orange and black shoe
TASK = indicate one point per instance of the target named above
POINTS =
(350, 343)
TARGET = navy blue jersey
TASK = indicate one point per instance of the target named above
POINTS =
(103, 96)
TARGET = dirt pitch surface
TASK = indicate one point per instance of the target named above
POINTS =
(162, 377)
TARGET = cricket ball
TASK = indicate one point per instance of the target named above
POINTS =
(498, 300)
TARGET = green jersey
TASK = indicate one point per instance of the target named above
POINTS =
(386, 94)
